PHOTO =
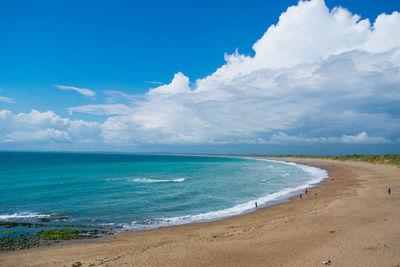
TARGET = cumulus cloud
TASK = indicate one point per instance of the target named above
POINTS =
(317, 71)
(179, 84)
(82, 91)
(317, 76)
(46, 127)
(38, 136)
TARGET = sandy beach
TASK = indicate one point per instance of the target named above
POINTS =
(352, 222)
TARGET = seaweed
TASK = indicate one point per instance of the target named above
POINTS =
(14, 241)
(61, 234)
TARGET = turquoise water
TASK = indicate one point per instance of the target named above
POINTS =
(134, 192)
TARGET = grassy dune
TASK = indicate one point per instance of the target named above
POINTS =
(392, 159)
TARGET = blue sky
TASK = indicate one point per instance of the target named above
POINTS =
(154, 82)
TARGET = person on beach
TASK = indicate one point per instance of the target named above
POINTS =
(301, 196)
(255, 203)
(389, 191)
(315, 195)
(306, 191)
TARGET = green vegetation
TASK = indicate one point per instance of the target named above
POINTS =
(14, 241)
(20, 239)
(8, 233)
(392, 159)
(61, 234)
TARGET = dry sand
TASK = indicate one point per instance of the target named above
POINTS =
(352, 222)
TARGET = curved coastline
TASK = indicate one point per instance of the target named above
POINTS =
(283, 194)
(317, 175)
(351, 223)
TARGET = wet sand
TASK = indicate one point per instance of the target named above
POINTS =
(352, 222)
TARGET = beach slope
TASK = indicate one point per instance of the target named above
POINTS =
(352, 222)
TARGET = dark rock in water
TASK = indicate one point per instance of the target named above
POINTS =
(10, 240)
(45, 220)
(16, 242)
(16, 224)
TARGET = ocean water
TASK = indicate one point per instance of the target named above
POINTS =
(134, 192)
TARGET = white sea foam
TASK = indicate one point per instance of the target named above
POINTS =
(317, 175)
(315, 172)
(23, 215)
(148, 180)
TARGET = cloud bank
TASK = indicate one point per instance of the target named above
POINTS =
(317, 76)
(45, 127)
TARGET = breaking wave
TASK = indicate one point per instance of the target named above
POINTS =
(317, 175)
(148, 180)
(23, 215)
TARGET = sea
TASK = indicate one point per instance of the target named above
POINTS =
(127, 192)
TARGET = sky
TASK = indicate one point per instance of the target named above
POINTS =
(242, 77)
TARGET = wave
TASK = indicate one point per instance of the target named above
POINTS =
(317, 175)
(315, 172)
(23, 215)
(148, 180)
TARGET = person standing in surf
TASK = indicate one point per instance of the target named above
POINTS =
(255, 203)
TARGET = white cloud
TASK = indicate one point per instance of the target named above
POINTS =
(5, 113)
(385, 28)
(82, 91)
(179, 84)
(308, 33)
(6, 99)
(316, 74)
(320, 72)
(361, 138)
(115, 96)
(48, 134)
(38, 119)
(46, 126)
(153, 82)
(102, 109)
(283, 138)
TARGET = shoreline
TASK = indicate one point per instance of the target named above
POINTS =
(291, 226)
(316, 176)
(313, 182)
